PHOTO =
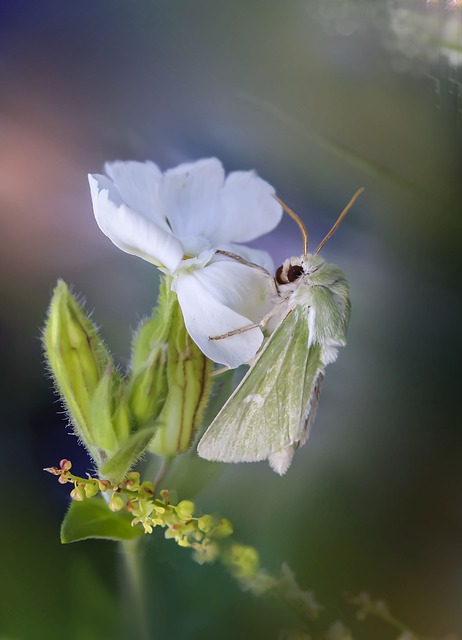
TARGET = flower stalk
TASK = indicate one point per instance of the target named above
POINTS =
(133, 581)
(210, 538)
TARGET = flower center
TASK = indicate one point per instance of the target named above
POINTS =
(194, 245)
(193, 263)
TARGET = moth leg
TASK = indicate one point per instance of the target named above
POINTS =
(260, 325)
(247, 263)
(242, 260)
(219, 371)
(235, 332)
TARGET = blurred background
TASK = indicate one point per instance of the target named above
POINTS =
(320, 98)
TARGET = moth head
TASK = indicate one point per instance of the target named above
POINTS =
(290, 271)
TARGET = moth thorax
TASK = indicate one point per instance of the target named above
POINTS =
(289, 271)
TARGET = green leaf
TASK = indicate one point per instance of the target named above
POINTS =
(93, 519)
(116, 467)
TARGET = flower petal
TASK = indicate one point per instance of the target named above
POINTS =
(247, 208)
(222, 297)
(138, 185)
(189, 194)
(129, 230)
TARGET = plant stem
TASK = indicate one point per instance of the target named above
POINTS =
(136, 599)
(162, 472)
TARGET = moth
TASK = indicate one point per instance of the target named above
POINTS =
(270, 413)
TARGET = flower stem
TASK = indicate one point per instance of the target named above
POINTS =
(162, 472)
(136, 601)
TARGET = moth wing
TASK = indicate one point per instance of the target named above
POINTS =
(270, 409)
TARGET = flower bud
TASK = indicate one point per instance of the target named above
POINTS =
(78, 494)
(206, 523)
(155, 331)
(101, 412)
(189, 383)
(147, 488)
(77, 359)
(223, 529)
(148, 387)
(103, 485)
(121, 418)
(91, 489)
(116, 503)
(185, 509)
(65, 465)
(243, 561)
(132, 481)
(109, 412)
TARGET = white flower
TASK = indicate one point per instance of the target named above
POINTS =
(177, 220)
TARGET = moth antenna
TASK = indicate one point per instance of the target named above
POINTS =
(339, 219)
(298, 221)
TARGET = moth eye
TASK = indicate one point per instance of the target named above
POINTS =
(294, 272)
(278, 276)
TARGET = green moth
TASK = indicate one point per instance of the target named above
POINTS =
(270, 413)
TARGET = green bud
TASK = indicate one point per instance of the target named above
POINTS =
(103, 484)
(78, 494)
(185, 509)
(101, 408)
(148, 387)
(77, 358)
(109, 412)
(189, 384)
(224, 529)
(147, 488)
(132, 481)
(121, 418)
(206, 523)
(91, 489)
(243, 561)
(154, 331)
(116, 503)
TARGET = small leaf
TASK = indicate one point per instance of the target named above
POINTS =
(93, 519)
(116, 467)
